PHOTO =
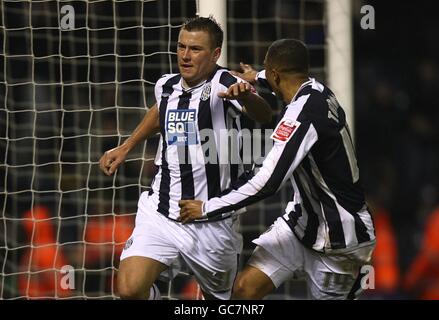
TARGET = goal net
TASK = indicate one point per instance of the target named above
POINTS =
(76, 77)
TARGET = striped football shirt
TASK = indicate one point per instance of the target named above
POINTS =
(313, 151)
(191, 164)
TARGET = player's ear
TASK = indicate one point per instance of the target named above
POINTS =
(216, 54)
(276, 76)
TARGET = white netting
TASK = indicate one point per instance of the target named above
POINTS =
(251, 29)
(66, 96)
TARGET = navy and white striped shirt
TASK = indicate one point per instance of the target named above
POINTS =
(190, 165)
(312, 150)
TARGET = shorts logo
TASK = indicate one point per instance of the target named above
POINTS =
(206, 92)
(285, 130)
(181, 127)
(128, 244)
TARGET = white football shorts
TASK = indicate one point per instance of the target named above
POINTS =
(210, 250)
(280, 255)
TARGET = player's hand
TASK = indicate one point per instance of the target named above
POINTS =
(247, 74)
(239, 90)
(112, 159)
(190, 210)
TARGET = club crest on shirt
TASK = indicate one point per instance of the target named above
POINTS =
(285, 130)
(206, 92)
(181, 127)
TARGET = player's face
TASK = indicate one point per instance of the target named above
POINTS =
(196, 58)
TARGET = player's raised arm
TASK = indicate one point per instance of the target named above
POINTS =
(113, 158)
(252, 76)
(248, 73)
(253, 105)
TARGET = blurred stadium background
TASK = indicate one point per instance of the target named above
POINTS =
(66, 96)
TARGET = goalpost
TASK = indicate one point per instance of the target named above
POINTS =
(217, 9)
(67, 95)
(339, 55)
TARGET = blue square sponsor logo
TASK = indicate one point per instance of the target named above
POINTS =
(181, 127)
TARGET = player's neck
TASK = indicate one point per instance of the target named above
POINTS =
(290, 88)
(186, 86)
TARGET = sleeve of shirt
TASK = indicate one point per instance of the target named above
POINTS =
(292, 141)
(158, 88)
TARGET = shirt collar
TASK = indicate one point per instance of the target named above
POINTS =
(306, 83)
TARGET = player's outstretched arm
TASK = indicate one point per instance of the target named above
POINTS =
(254, 106)
(113, 158)
(248, 73)
(292, 142)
